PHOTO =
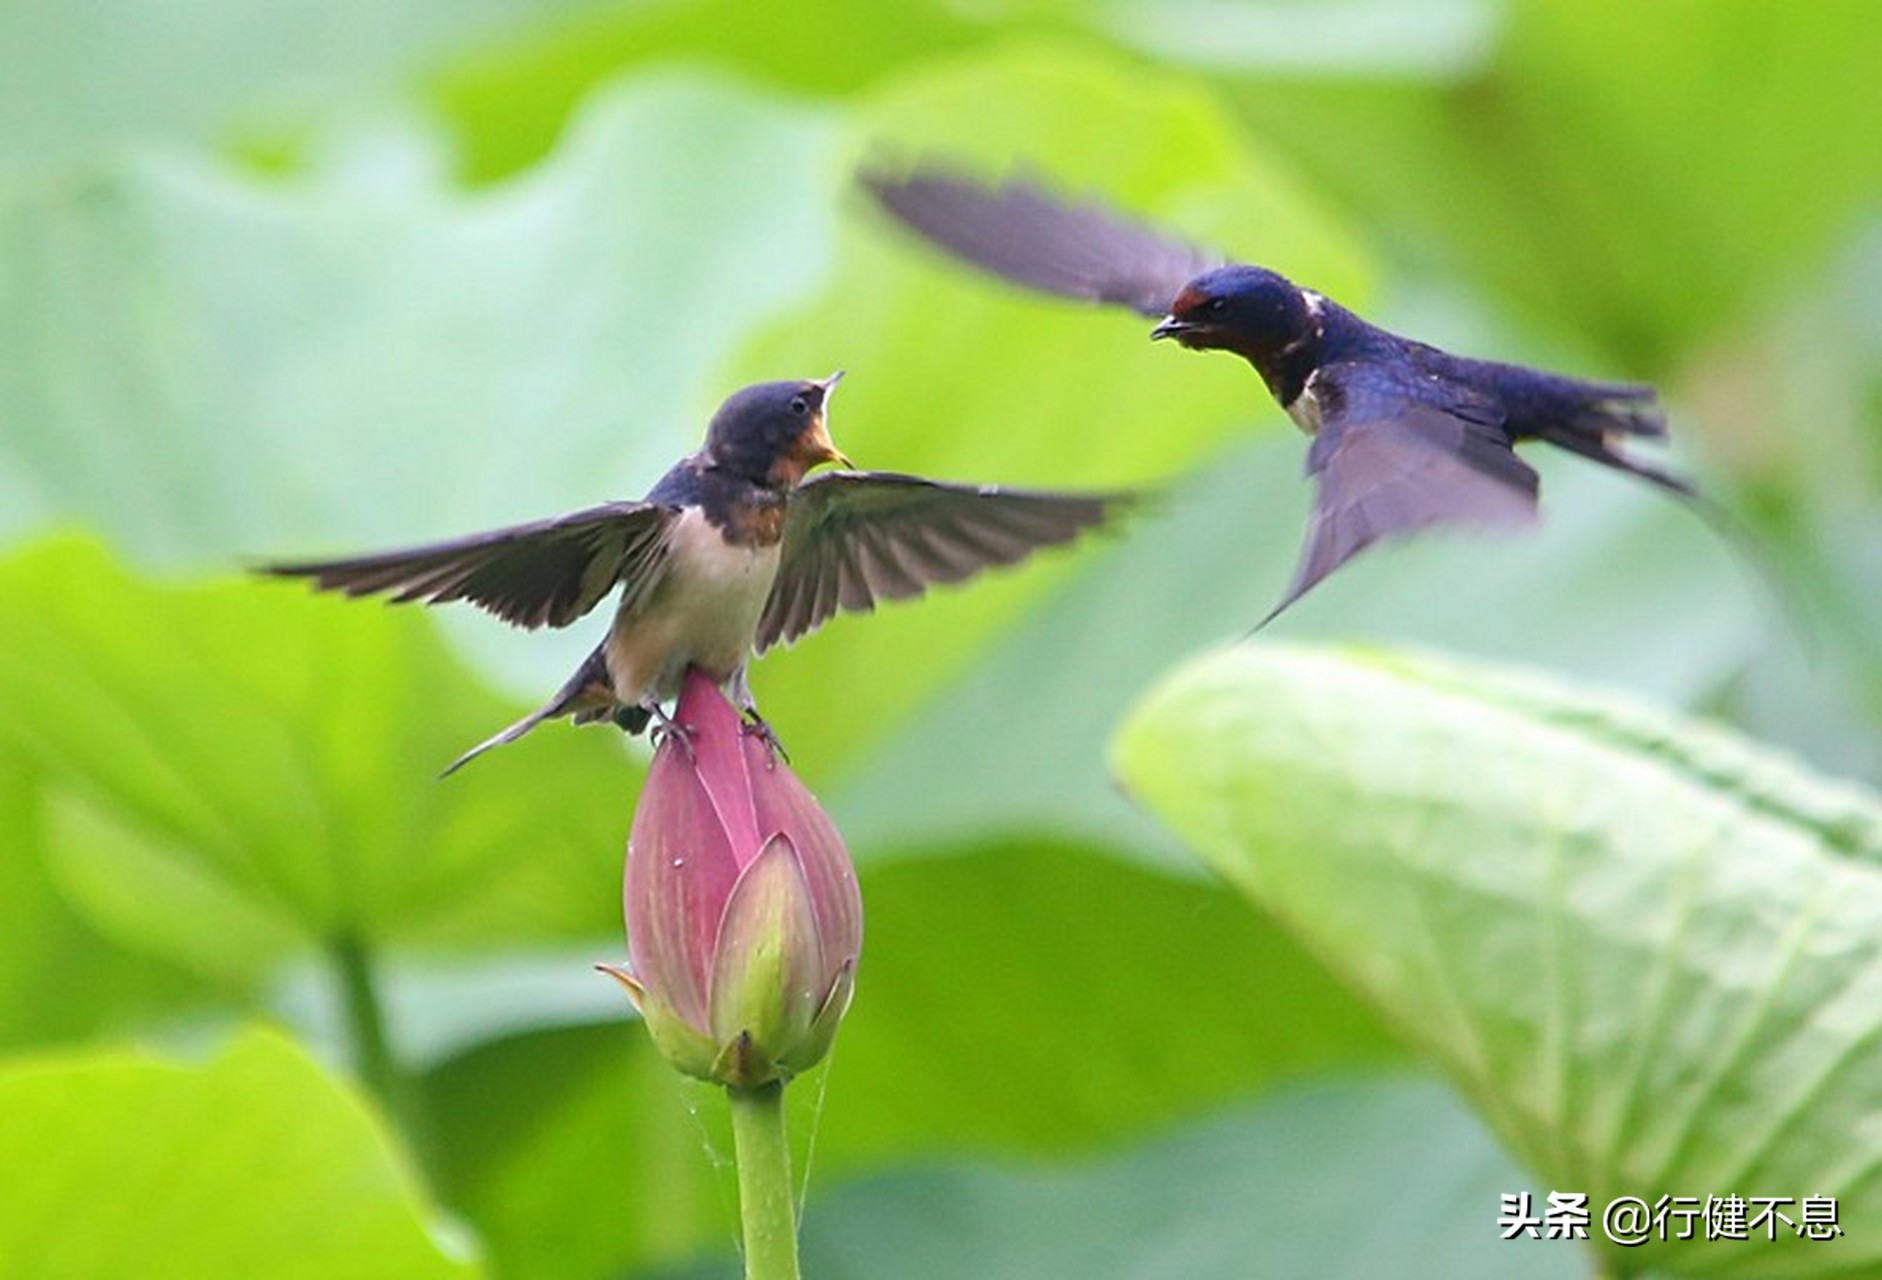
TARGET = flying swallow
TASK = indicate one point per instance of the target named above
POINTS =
(1404, 436)
(732, 552)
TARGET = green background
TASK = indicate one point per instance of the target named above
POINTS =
(298, 279)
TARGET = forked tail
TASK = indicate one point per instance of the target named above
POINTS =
(511, 734)
(586, 695)
(1617, 411)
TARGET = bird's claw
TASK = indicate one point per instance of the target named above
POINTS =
(760, 728)
(666, 729)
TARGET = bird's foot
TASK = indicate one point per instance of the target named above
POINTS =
(666, 729)
(760, 728)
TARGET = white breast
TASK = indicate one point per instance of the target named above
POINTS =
(1305, 407)
(703, 613)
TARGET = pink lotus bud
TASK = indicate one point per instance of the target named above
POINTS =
(744, 922)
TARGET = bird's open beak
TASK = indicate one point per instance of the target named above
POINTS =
(818, 445)
(1170, 327)
(822, 449)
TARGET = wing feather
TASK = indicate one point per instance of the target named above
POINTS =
(852, 538)
(547, 573)
(1398, 454)
(1024, 233)
(884, 573)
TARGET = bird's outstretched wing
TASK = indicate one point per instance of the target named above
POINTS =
(1396, 453)
(1023, 233)
(547, 573)
(852, 538)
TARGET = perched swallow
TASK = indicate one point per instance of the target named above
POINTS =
(733, 551)
(1405, 436)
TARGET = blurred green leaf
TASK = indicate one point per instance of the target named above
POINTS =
(1113, 999)
(574, 1152)
(1738, 135)
(1643, 173)
(509, 104)
(1794, 401)
(204, 364)
(1384, 39)
(1351, 1180)
(81, 983)
(249, 769)
(1647, 950)
(91, 77)
(255, 1165)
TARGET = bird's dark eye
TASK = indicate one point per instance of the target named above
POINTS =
(799, 405)
(1217, 306)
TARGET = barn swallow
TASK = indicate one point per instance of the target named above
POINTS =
(1404, 436)
(732, 552)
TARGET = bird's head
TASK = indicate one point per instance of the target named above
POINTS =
(1249, 310)
(773, 433)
